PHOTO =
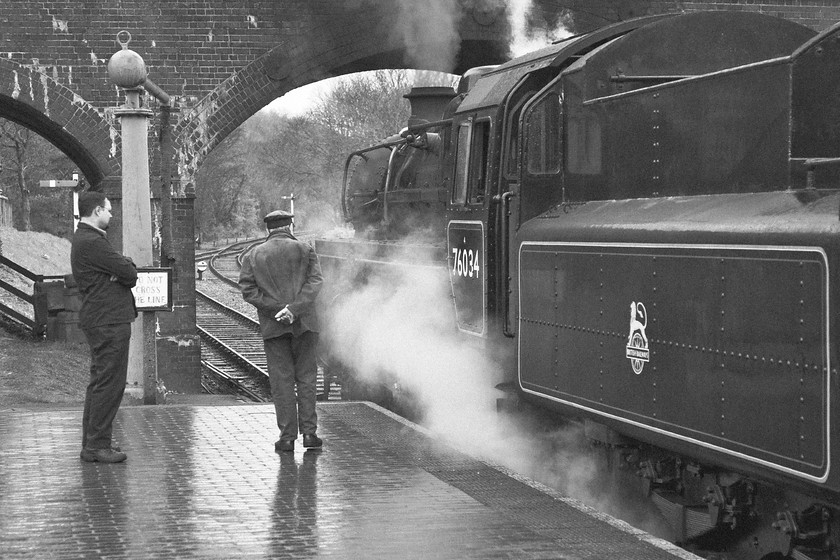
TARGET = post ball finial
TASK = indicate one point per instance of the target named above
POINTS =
(126, 69)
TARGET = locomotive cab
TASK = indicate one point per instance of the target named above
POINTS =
(650, 114)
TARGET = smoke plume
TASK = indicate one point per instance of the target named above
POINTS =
(398, 327)
(429, 31)
(526, 34)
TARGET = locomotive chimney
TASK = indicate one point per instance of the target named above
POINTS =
(428, 103)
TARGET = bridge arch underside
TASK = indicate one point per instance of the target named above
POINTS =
(472, 53)
(35, 101)
(276, 73)
(24, 115)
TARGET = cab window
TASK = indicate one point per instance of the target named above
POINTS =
(543, 134)
(512, 163)
(471, 163)
(459, 195)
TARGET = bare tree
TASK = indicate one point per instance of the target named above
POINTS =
(224, 189)
(28, 157)
(14, 140)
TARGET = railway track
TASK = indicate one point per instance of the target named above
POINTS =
(231, 347)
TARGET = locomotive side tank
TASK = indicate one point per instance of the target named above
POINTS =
(644, 222)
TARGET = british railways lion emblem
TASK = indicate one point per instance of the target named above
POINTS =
(637, 342)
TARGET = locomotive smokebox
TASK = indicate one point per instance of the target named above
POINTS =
(428, 103)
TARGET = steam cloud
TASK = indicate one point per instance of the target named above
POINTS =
(399, 326)
(526, 38)
(430, 29)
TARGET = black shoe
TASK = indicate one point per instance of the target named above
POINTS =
(311, 441)
(284, 445)
(102, 456)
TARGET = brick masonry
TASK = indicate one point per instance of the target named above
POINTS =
(222, 61)
(816, 14)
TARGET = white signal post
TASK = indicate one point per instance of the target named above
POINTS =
(291, 199)
(66, 183)
(201, 266)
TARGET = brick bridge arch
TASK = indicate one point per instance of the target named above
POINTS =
(247, 91)
(347, 48)
(223, 60)
(31, 98)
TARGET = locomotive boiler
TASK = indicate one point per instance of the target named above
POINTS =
(645, 219)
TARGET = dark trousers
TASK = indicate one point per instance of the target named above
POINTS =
(292, 361)
(108, 372)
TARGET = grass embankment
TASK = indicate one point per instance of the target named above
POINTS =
(33, 372)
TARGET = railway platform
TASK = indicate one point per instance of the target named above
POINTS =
(202, 480)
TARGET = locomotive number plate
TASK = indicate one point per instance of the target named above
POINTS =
(465, 250)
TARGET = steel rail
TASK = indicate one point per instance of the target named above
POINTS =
(233, 384)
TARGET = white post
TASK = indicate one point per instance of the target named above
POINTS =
(75, 211)
(75, 204)
(292, 211)
(136, 219)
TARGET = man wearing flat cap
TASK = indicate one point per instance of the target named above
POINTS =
(281, 277)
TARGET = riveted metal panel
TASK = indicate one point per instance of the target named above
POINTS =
(724, 346)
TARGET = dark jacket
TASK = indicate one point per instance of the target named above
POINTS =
(105, 278)
(282, 271)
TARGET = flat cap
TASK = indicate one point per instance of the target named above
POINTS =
(278, 218)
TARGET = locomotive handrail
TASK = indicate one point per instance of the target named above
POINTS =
(504, 211)
(656, 79)
(715, 74)
(816, 162)
(425, 126)
(347, 169)
(388, 178)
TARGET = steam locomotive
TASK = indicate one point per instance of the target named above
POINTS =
(645, 219)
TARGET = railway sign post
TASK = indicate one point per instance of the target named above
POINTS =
(66, 184)
(291, 199)
(153, 291)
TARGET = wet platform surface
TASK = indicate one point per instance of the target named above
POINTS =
(204, 482)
